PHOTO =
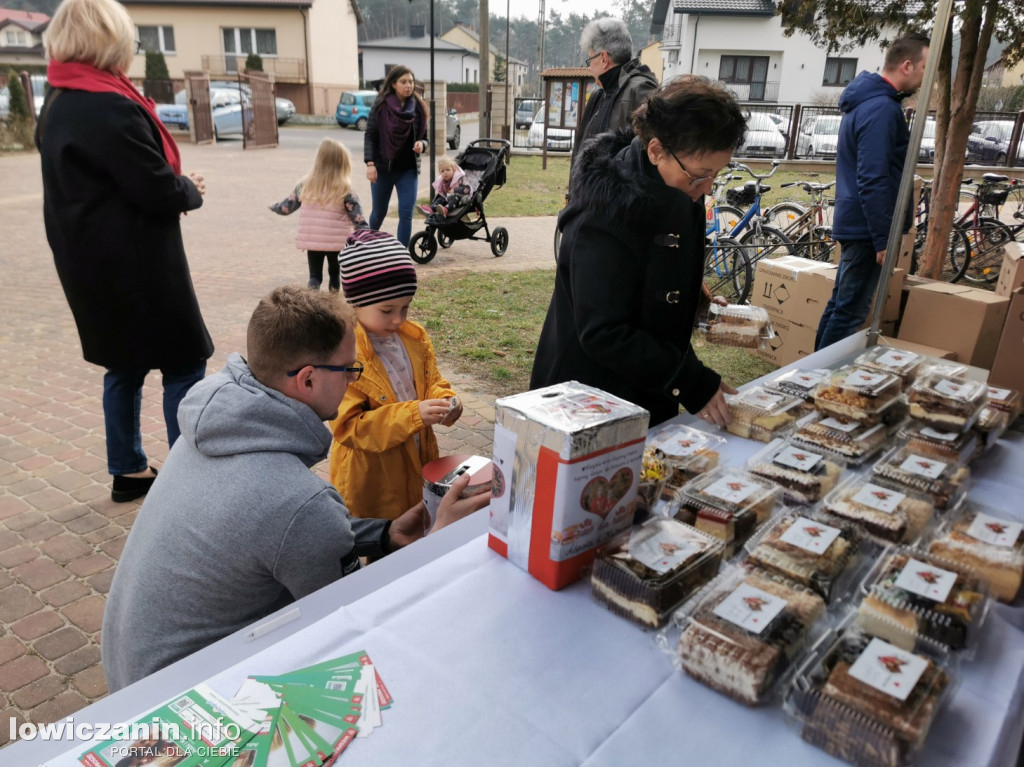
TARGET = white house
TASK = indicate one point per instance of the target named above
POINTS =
(452, 63)
(741, 43)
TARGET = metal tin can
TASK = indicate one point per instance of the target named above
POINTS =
(439, 475)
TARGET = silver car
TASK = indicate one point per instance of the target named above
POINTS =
(285, 108)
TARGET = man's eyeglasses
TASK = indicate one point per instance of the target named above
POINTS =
(694, 182)
(138, 46)
(586, 61)
(354, 371)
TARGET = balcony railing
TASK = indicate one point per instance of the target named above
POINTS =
(283, 70)
(768, 91)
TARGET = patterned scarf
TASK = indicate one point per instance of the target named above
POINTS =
(397, 124)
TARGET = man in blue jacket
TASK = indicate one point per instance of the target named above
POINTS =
(873, 138)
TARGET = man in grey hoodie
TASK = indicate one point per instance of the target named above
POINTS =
(236, 525)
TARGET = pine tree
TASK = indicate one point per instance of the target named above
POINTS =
(156, 66)
(18, 101)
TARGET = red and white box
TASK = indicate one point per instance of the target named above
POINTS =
(566, 472)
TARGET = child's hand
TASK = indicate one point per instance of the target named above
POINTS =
(433, 411)
(455, 413)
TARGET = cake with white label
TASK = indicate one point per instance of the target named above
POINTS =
(760, 414)
(943, 481)
(746, 632)
(869, 703)
(804, 476)
(912, 594)
(885, 359)
(646, 574)
(924, 439)
(854, 441)
(947, 403)
(880, 511)
(990, 545)
(728, 503)
(737, 325)
(858, 394)
(807, 551)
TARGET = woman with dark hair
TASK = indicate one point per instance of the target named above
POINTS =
(630, 268)
(396, 136)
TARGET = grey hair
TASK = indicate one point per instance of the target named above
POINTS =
(608, 34)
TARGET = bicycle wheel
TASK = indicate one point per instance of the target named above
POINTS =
(765, 242)
(727, 271)
(988, 244)
(816, 244)
(728, 217)
(783, 215)
(955, 259)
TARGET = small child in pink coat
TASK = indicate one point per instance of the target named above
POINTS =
(450, 187)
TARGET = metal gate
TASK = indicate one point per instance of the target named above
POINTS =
(200, 114)
(259, 116)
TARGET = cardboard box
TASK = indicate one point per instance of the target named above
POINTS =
(1008, 367)
(910, 346)
(792, 289)
(891, 311)
(1011, 275)
(962, 319)
(791, 342)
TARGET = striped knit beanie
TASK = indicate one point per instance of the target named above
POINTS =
(375, 267)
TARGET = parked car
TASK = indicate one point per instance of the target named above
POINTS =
(763, 137)
(559, 139)
(285, 108)
(227, 106)
(818, 137)
(525, 112)
(989, 142)
(354, 108)
(453, 129)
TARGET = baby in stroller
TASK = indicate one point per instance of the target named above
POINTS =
(451, 187)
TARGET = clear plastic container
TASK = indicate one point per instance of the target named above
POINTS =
(909, 595)
(888, 359)
(1006, 400)
(857, 394)
(951, 404)
(889, 516)
(985, 540)
(804, 475)
(729, 504)
(868, 702)
(990, 426)
(924, 439)
(738, 325)
(649, 571)
(945, 482)
(687, 452)
(759, 414)
(851, 441)
(742, 634)
(823, 555)
(799, 383)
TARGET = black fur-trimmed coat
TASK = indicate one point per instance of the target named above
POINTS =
(628, 285)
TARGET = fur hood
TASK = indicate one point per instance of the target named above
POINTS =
(613, 179)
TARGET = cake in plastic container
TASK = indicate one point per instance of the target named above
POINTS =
(888, 515)
(646, 573)
(911, 595)
(738, 325)
(798, 383)
(945, 482)
(990, 426)
(759, 414)
(678, 454)
(804, 475)
(729, 504)
(868, 702)
(858, 394)
(888, 359)
(946, 403)
(745, 630)
(1007, 400)
(956, 446)
(851, 441)
(822, 555)
(987, 541)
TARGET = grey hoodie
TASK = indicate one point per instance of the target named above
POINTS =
(235, 527)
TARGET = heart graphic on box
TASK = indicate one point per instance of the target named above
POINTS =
(600, 495)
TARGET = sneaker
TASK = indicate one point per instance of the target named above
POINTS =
(426, 210)
(130, 488)
(442, 210)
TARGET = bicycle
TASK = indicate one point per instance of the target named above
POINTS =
(762, 240)
(958, 252)
(810, 229)
(988, 236)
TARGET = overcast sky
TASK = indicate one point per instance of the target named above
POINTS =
(530, 8)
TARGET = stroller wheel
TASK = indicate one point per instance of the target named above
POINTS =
(423, 247)
(444, 240)
(499, 241)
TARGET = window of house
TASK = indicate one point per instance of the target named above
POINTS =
(245, 40)
(743, 69)
(17, 37)
(157, 39)
(839, 71)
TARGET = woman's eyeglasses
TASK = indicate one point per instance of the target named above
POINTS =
(354, 371)
(694, 182)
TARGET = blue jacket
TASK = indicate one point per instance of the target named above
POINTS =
(873, 139)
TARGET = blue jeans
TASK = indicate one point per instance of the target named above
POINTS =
(856, 281)
(122, 404)
(405, 183)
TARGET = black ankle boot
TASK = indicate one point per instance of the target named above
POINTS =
(129, 488)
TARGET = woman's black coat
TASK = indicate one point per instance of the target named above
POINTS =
(111, 204)
(628, 284)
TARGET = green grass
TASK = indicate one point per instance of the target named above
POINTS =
(486, 325)
(530, 190)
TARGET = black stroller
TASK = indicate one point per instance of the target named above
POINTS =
(484, 162)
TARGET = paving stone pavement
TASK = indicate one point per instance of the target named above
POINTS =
(60, 534)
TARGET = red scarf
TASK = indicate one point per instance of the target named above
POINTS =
(84, 77)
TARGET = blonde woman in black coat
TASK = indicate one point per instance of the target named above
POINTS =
(113, 195)
(631, 263)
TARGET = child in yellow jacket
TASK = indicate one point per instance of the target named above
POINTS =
(383, 432)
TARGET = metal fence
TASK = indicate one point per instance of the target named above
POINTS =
(293, 70)
(259, 117)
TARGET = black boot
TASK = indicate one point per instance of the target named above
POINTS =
(129, 488)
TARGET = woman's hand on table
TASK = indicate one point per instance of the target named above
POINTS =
(716, 411)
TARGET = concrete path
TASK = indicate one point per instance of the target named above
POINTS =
(60, 534)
